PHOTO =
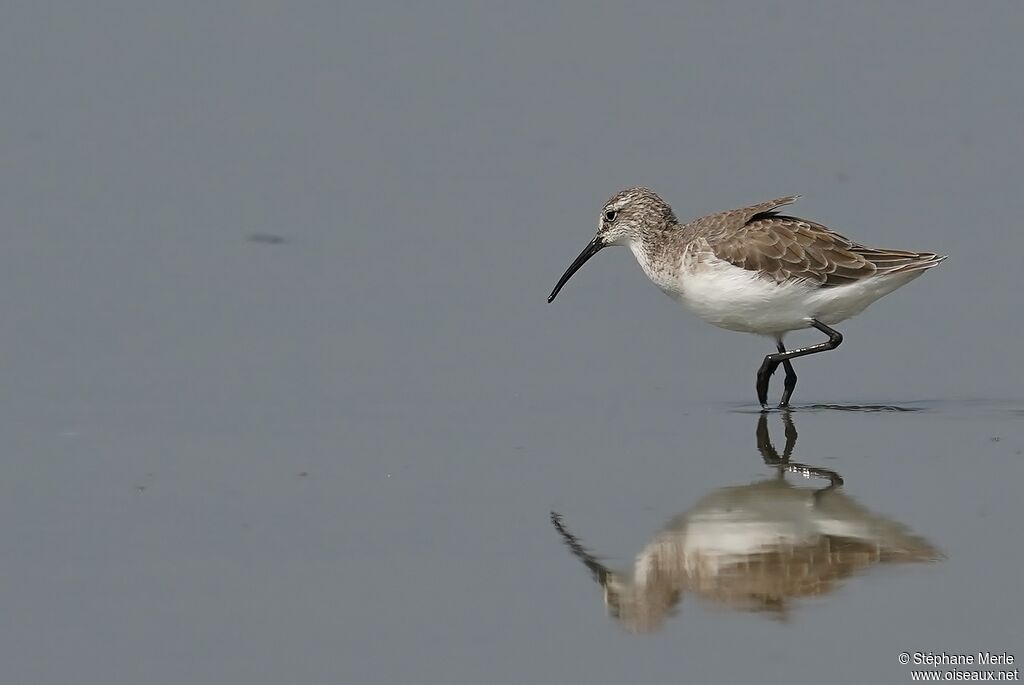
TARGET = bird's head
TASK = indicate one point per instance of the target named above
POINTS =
(625, 218)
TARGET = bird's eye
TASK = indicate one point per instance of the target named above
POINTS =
(610, 215)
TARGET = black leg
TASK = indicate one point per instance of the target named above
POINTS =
(764, 372)
(790, 383)
(772, 361)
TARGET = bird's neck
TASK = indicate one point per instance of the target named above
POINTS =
(659, 253)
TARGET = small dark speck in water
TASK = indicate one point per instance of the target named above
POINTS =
(303, 474)
(266, 238)
(995, 438)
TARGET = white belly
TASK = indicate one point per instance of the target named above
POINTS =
(740, 300)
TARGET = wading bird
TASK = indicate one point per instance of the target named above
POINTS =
(754, 270)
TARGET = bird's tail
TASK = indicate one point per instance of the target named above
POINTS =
(900, 261)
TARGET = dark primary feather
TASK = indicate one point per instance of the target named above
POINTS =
(785, 248)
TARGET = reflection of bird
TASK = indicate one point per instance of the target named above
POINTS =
(754, 270)
(753, 547)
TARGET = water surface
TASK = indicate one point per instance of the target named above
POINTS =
(283, 402)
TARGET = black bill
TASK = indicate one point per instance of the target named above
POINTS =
(595, 246)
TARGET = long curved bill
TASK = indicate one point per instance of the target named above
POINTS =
(595, 246)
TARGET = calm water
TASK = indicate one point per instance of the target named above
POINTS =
(283, 401)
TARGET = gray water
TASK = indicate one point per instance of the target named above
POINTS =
(282, 400)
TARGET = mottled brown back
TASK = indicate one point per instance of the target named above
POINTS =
(786, 248)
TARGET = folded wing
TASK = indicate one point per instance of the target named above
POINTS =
(785, 248)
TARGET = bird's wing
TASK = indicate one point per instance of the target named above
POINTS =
(784, 248)
(737, 218)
